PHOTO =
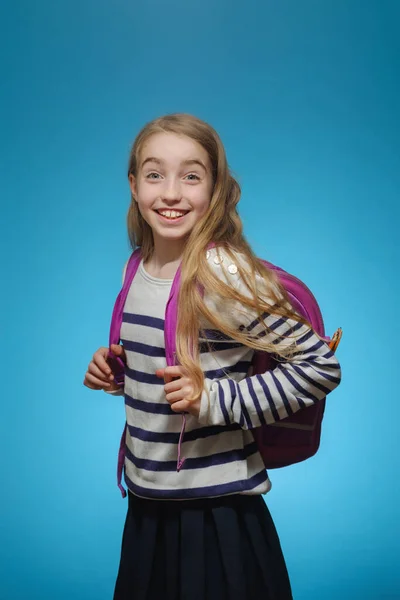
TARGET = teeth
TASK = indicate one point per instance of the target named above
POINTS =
(171, 214)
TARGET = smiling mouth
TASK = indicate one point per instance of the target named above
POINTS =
(172, 214)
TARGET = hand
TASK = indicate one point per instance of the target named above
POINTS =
(179, 390)
(99, 375)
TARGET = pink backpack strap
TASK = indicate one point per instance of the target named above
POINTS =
(170, 326)
(301, 298)
(171, 318)
(116, 364)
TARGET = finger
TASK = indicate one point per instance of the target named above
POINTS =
(118, 350)
(182, 394)
(90, 386)
(175, 397)
(173, 386)
(175, 371)
(181, 406)
(162, 374)
(101, 362)
(95, 381)
(177, 384)
(105, 388)
(168, 377)
(93, 369)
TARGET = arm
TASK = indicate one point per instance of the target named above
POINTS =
(306, 377)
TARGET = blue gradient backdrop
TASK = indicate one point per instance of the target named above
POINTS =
(306, 98)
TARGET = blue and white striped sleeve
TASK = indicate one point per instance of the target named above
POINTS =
(310, 374)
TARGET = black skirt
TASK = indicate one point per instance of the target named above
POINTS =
(222, 548)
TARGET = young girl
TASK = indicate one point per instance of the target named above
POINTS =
(201, 530)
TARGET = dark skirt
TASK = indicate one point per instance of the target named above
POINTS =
(222, 548)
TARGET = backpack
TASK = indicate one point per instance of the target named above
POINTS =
(280, 444)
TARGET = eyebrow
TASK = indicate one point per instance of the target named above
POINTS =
(188, 162)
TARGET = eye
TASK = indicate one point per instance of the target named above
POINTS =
(152, 175)
(193, 177)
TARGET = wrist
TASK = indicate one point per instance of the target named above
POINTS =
(204, 411)
(116, 392)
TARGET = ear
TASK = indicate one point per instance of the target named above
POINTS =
(132, 185)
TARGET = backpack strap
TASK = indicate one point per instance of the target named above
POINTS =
(115, 362)
(301, 298)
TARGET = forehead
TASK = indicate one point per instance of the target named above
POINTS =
(172, 149)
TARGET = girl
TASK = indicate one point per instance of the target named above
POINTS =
(202, 530)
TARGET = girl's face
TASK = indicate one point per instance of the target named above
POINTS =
(173, 186)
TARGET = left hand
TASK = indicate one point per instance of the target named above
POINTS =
(177, 391)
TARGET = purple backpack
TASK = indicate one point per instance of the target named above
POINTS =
(286, 442)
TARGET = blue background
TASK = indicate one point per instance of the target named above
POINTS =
(305, 96)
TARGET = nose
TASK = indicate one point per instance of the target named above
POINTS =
(171, 192)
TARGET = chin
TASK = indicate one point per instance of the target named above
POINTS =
(175, 236)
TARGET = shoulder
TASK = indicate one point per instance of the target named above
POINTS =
(135, 256)
(124, 271)
(234, 267)
(225, 264)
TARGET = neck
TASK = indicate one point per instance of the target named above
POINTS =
(166, 258)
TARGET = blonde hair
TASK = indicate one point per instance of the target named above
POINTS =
(222, 226)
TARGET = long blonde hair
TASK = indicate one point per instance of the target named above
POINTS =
(222, 226)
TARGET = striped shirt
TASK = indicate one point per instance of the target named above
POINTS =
(219, 448)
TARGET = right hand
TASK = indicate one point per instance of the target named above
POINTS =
(99, 375)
